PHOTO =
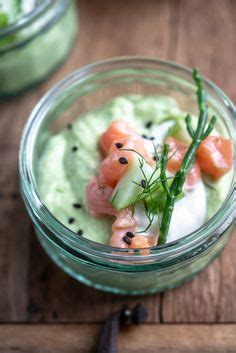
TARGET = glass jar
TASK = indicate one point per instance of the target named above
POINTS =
(37, 43)
(101, 266)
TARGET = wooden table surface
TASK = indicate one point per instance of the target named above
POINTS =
(44, 310)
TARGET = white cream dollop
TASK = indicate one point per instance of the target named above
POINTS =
(189, 213)
(159, 133)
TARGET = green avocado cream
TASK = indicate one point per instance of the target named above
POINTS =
(71, 157)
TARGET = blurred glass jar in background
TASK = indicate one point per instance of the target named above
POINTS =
(33, 42)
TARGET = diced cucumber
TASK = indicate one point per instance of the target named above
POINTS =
(129, 188)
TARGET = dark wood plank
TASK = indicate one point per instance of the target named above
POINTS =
(13, 115)
(203, 42)
(209, 297)
(206, 38)
(14, 247)
(146, 338)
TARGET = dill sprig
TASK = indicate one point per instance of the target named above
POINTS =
(148, 184)
(198, 135)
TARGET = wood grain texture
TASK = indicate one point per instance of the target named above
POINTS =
(206, 38)
(202, 42)
(146, 338)
(58, 298)
(32, 288)
(209, 297)
(14, 242)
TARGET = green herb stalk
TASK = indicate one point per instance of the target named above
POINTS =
(201, 132)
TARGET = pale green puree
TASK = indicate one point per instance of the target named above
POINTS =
(71, 157)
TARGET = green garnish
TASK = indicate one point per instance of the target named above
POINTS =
(159, 197)
(201, 132)
(10, 10)
(114, 197)
(3, 19)
(152, 187)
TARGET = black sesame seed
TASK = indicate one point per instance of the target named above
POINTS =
(130, 235)
(155, 158)
(119, 145)
(80, 232)
(152, 138)
(69, 126)
(127, 240)
(77, 205)
(74, 148)
(148, 124)
(143, 183)
(71, 220)
(123, 160)
(144, 136)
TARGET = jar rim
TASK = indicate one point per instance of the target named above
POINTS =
(28, 18)
(67, 236)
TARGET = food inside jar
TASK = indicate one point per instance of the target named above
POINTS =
(100, 176)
